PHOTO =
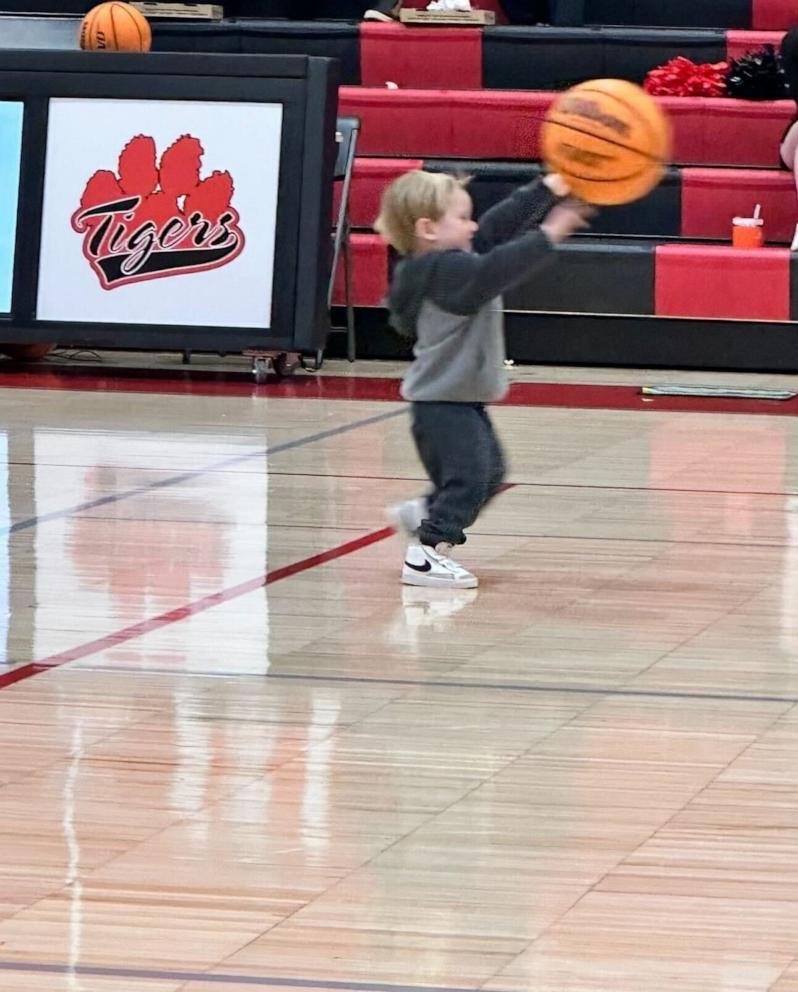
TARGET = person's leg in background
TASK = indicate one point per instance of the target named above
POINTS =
(383, 10)
(526, 11)
(788, 150)
(563, 13)
(788, 153)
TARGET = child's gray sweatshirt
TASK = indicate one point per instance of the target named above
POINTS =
(451, 302)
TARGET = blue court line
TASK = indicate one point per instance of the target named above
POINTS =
(145, 974)
(176, 480)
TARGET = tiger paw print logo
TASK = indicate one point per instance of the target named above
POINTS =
(157, 219)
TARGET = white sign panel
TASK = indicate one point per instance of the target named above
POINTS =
(160, 212)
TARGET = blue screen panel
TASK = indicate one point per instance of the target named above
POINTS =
(10, 149)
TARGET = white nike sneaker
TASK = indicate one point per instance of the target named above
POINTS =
(406, 517)
(425, 566)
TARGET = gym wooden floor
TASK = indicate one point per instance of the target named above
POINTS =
(236, 754)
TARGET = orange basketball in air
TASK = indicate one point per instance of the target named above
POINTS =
(115, 27)
(609, 139)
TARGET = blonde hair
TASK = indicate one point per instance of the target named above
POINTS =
(415, 195)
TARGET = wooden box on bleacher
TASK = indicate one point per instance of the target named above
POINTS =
(447, 18)
(187, 11)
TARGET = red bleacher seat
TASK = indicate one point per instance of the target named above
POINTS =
(723, 282)
(504, 124)
(711, 197)
(370, 178)
(369, 272)
(399, 122)
(740, 42)
(447, 123)
(722, 131)
(739, 132)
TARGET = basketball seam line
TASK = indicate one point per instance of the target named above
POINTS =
(626, 105)
(609, 141)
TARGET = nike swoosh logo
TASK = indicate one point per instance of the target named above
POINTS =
(426, 567)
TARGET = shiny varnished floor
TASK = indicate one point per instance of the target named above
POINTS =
(242, 762)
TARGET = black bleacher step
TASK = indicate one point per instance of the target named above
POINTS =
(330, 39)
(669, 13)
(296, 10)
(649, 342)
(616, 341)
(657, 215)
(594, 276)
(65, 7)
(636, 341)
(551, 58)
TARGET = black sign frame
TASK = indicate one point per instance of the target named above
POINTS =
(307, 89)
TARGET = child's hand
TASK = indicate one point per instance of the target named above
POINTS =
(557, 184)
(566, 219)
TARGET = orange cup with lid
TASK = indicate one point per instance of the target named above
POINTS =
(748, 232)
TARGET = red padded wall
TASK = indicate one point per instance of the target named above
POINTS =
(421, 58)
(773, 15)
(721, 281)
(711, 197)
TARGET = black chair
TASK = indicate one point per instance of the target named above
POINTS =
(348, 129)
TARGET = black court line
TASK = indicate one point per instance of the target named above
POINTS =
(176, 480)
(147, 974)
(520, 535)
(555, 485)
(730, 697)
(527, 687)
(786, 494)
(627, 540)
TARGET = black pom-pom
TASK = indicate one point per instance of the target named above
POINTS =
(757, 76)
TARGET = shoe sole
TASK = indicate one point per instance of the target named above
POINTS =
(371, 15)
(433, 582)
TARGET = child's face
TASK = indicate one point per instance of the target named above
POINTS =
(456, 228)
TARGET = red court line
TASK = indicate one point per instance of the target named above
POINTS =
(190, 609)
(18, 674)
(577, 396)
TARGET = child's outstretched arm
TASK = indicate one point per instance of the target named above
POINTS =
(524, 208)
(463, 282)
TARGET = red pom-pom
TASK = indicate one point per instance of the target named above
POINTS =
(683, 77)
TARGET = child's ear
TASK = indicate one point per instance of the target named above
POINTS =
(425, 229)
